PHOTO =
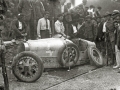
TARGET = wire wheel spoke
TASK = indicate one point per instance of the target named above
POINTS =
(22, 70)
(30, 72)
(27, 66)
(96, 55)
(26, 73)
(69, 54)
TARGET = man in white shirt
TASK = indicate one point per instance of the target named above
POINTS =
(91, 11)
(59, 27)
(43, 27)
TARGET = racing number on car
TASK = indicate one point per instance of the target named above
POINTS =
(49, 51)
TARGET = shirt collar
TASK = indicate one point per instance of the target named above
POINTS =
(44, 18)
(58, 22)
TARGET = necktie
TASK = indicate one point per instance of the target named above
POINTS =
(61, 26)
(46, 24)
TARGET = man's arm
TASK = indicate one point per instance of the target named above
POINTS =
(93, 30)
(20, 6)
(5, 5)
(65, 8)
(50, 32)
(25, 27)
(38, 28)
(118, 36)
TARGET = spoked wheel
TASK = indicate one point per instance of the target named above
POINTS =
(27, 67)
(69, 55)
(95, 56)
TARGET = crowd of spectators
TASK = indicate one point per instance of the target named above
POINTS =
(37, 19)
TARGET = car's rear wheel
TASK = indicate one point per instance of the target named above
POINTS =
(27, 66)
(95, 56)
(68, 56)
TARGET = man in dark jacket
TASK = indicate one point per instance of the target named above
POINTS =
(67, 7)
(19, 27)
(33, 9)
(3, 7)
(98, 11)
(117, 43)
(100, 34)
(88, 27)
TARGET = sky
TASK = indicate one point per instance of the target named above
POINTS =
(77, 2)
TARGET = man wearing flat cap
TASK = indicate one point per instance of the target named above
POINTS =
(110, 36)
(116, 17)
(100, 34)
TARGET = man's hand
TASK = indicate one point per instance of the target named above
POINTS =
(24, 34)
(39, 37)
(68, 37)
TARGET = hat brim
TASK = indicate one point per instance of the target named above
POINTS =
(107, 15)
(114, 14)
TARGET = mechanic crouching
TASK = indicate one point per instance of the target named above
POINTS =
(60, 29)
(19, 28)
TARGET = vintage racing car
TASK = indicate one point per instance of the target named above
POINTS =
(35, 55)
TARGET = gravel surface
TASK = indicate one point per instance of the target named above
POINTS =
(48, 79)
(103, 79)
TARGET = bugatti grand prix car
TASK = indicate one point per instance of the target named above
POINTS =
(35, 55)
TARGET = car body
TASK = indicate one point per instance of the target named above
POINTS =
(35, 55)
(48, 50)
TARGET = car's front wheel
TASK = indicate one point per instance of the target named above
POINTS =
(27, 66)
(69, 55)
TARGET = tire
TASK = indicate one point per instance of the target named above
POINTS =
(26, 70)
(92, 51)
(70, 61)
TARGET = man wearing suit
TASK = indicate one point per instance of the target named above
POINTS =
(19, 27)
(33, 9)
(88, 28)
(100, 34)
(67, 7)
(3, 7)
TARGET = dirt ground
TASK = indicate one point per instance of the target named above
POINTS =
(79, 78)
(104, 78)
